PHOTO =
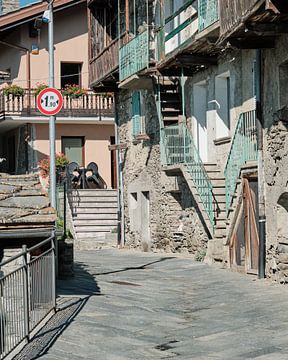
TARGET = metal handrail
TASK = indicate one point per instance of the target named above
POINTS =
(28, 293)
(243, 149)
(177, 147)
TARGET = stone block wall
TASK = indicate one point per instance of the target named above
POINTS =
(172, 223)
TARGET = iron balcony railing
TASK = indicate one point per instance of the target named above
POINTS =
(244, 148)
(134, 56)
(177, 147)
(90, 104)
(208, 13)
(28, 293)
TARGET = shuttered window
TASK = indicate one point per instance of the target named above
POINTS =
(136, 113)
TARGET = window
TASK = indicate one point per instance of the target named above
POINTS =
(138, 121)
(73, 148)
(70, 74)
(133, 212)
(223, 101)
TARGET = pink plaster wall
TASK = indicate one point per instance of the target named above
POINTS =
(71, 45)
(97, 139)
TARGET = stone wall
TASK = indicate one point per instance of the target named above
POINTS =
(276, 161)
(7, 6)
(171, 223)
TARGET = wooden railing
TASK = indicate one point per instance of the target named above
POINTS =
(233, 12)
(107, 61)
(90, 104)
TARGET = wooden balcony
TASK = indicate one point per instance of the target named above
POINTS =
(88, 105)
(252, 23)
(103, 68)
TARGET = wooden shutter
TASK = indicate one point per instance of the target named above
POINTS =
(136, 113)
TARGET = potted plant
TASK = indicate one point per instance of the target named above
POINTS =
(39, 87)
(73, 91)
(14, 90)
(61, 162)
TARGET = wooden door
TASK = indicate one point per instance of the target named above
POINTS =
(244, 243)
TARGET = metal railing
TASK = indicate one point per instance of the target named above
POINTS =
(90, 104)
(177, 146)
(28, 293)
(208, 13)
(243, 148)
(134, 56)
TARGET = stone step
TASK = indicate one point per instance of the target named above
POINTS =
(95, 216)
(95, 243)
(94, 222)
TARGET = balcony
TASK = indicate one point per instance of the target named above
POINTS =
(88, 105)
(104, 64)
(134, 56)
(208, 13)
(177, 31)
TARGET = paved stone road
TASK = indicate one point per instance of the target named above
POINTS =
(145, 306)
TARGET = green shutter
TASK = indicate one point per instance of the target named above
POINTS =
(136, 113)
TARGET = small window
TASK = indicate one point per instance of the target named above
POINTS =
(70, 74)
(138, 120)
(73, 148)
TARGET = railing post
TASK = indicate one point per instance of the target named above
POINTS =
(26, 292)
(53, 246)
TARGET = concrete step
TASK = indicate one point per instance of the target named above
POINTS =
(94, 222)
(96, 210)
(95, 243)
(219, 191)
(97, 199)
(95, 205)
(95, 216)
(95, 192)
(92, 234)
(94, 228)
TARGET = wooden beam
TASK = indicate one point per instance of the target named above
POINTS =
(253, 42)
(113, 147)
(193, 59)
(271, 28)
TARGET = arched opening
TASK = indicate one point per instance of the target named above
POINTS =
(282, 218)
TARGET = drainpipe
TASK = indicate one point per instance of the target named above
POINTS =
(120, 190)
(28, 67)
(261, 196)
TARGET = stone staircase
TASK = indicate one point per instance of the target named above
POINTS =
(215, 245)
(94, 214)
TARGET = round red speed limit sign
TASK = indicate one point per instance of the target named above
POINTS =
(49, 101)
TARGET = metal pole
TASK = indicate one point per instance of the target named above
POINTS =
(261, 195)
(52, 119)
(26, 292)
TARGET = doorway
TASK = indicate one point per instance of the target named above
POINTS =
(200, 119)
(74, 149)
(244, 243)
(11, 154)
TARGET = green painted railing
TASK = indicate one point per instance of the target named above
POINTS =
(134, 56)
(177, 146)
(243, 149)
(208, 13)
(163, 36)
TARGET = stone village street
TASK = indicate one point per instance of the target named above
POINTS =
(129, 305)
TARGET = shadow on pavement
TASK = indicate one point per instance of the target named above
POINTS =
(140, 267)
(73, 293)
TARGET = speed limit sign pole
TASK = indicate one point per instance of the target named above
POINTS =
(49, 103)
(52, 118)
